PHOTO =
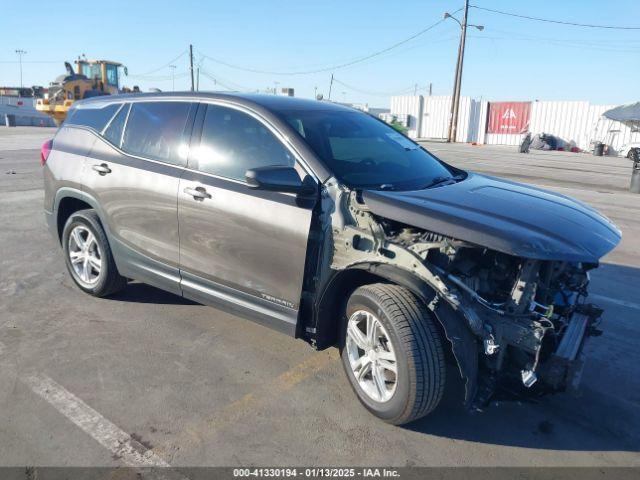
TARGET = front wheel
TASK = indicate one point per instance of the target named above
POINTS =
(392, 353)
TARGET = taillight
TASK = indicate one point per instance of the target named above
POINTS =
(45, 151)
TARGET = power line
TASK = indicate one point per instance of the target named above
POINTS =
(608, 46)
(162, 78)
(32, 61)
(229, 85)
(166, 65)
(332, 67)
(215, 80)
(548, 20)
(380, 94)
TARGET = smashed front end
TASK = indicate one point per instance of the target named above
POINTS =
(517, 323)
(530, 316)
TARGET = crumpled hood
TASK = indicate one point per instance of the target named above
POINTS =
(505, 216)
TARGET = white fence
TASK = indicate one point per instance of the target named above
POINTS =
(572, 123)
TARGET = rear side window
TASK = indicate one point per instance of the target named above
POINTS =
(93, 117)
(113, 133)
(233, 142)
(155, 130)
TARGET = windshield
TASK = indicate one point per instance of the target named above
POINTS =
(90, 70)
(363, 152)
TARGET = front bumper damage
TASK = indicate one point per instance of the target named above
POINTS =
(536, 366)
(563, 370)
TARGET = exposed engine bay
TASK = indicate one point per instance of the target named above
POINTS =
(515, 324)
(531, 314)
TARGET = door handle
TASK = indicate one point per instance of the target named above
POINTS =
(198, 193)
(102, 169)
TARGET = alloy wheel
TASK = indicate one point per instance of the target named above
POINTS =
(371, 356)
(85, 255)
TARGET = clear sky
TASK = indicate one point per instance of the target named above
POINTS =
(512, 59)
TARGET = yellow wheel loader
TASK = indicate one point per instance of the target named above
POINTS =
(92, 78)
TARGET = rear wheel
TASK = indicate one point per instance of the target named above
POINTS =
(392, 353)
(88, 256)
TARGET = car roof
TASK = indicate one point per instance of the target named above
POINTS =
(272, 103)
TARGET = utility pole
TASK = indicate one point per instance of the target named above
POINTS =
(191, 66)
(198, 79)
(430, 88)
(455, 100)
(330, 85)
(315, 93)
(20, 52)
(173, 77)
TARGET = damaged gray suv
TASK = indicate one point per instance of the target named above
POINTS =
(327, 224)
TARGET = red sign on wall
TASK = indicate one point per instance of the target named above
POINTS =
(509, 117)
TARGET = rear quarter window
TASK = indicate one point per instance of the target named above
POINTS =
(113, 133)
(93, 117)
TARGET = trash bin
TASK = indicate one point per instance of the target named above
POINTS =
(10, 120)
(635, 176)
(598, 149)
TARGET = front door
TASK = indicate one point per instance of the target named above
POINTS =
(241, 249)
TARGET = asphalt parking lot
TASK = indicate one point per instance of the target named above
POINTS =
(188, 385)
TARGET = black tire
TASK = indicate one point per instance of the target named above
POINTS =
(109, 281)
(418, 349)
(634, 154)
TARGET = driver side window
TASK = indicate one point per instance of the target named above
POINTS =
(234, 142)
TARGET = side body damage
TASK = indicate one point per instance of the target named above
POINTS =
(511, 321)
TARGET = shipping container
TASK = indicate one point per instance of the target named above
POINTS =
(410, 105)
(573, 123)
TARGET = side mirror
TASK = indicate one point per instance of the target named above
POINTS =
(276, 178)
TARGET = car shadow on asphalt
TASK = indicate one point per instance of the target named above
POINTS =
(142, 293)
(559, 422)
(604, 417)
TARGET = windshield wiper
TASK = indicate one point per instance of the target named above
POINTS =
(438, 181)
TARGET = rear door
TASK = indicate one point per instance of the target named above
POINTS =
(133, 172)
(241, 249)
